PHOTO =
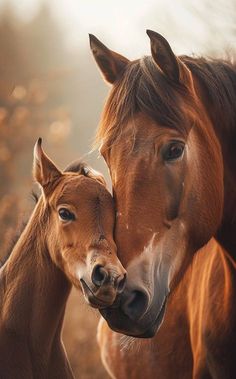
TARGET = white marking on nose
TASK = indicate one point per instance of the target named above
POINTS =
(127, 226)
(150, 246)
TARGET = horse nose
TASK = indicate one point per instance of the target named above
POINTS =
(101, 276)
(136, 305)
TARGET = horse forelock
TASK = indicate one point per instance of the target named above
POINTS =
(143, 88)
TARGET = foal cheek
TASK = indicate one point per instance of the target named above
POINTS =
(64, 248)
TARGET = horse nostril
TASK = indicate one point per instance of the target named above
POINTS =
(136, 305)
(99, 275)
(120, 283)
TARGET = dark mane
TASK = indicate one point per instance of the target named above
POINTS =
(19, 231)
(143, 88)
(218, 79)
(12, 243)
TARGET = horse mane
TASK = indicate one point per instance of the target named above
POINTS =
(143, 88)
(217, 77)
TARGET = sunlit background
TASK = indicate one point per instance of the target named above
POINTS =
(50, 87)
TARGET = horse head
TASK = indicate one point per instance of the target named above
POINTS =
(166, 166)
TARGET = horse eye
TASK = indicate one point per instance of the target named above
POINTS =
(173, 151)
(66, 215)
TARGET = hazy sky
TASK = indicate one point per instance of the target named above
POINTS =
(189, 25)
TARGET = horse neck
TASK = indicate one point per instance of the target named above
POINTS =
(226, 234)
(33, 290)
(224, 123)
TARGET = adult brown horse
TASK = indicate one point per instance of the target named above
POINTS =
(68, 240)
(168, 136)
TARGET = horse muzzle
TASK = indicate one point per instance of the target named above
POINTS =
(135, 315)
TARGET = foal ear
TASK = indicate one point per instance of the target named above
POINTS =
(44, 170)
(110, 63)
(163, 56)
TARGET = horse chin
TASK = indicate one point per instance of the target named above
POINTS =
(120, 323)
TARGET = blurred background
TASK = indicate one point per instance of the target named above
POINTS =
(50, 87)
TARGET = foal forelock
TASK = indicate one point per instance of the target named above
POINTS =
(78, 166)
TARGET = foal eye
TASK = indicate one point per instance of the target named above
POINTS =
(66, 215)
(173, 151)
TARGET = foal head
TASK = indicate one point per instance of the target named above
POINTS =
(166, 168)
(79, 227)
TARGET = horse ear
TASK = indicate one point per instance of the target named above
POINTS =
(110, 63)
(163, 56)
(44, 170)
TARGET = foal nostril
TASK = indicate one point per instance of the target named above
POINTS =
(99, 275)
(120, 283)
(136, 305)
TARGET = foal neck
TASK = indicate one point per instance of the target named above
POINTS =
(33, 291)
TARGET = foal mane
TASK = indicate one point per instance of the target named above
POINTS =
(16, 236)
(143, 88)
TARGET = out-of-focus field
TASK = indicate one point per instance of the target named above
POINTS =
(48, 92)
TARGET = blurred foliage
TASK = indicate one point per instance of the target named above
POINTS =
(25, 107)
(42, 94)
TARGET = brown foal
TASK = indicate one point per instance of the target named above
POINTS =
(67, 241)
(168, 135)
